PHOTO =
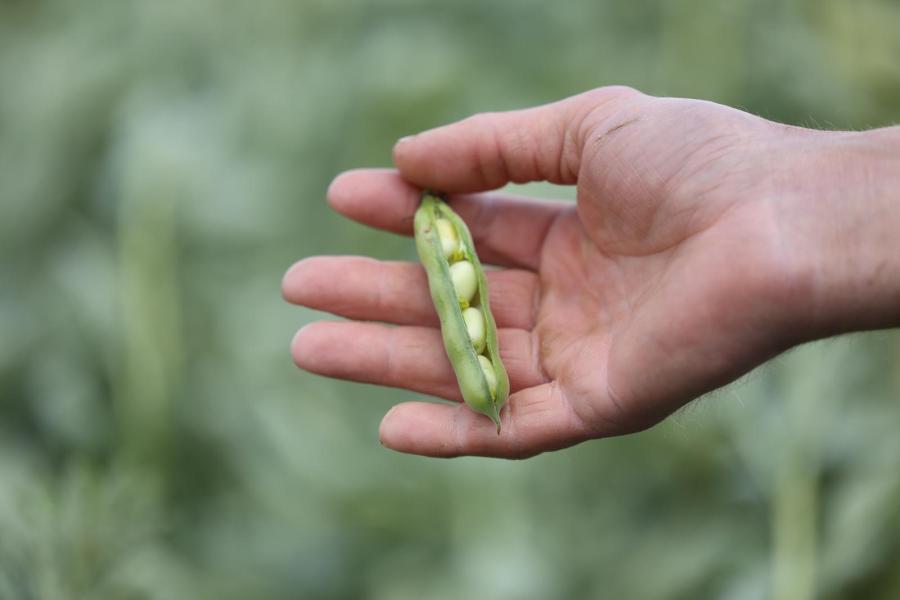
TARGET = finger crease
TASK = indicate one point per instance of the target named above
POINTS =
(545, 233)
(536, 359)
(500, 158)
(390, 358)
(381, 293)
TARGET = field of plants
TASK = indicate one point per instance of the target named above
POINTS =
(163, 163)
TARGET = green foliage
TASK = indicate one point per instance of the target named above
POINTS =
(162, 163)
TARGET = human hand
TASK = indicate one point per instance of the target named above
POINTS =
(693, 254)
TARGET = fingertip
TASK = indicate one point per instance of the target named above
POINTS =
(300, 345)
(388, 432)
(403, 141)
(431, 160)
(418, 428)
(402, 426)
(310, 347)
(404, 155)
(292, 283)
(348, 192)
(340, 191)
(380, 198)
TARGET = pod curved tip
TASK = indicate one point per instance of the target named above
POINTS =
(495, 417)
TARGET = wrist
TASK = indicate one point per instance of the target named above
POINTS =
(852, 198)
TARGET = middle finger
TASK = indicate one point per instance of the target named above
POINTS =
(366, 289)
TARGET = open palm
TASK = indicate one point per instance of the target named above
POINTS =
(673, 274)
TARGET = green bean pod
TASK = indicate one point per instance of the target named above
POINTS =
(479, 371)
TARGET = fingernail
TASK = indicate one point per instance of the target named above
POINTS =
(405, 138)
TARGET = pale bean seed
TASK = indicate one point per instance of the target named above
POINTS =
(449, 238)
(488, 369)
(475, 327)
(465, 281)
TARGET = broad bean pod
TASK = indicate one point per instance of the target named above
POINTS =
(459, 292)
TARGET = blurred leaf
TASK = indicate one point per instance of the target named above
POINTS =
(162, 164)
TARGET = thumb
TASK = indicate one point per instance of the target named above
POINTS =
(489, 150)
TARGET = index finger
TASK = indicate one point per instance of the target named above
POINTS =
(507, 230)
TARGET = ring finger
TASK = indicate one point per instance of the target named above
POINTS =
(403, 357)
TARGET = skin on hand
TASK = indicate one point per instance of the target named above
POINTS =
(697, 249)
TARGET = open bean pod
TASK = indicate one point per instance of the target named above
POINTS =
(459, 291)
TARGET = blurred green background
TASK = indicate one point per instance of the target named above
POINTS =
(163, 162)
